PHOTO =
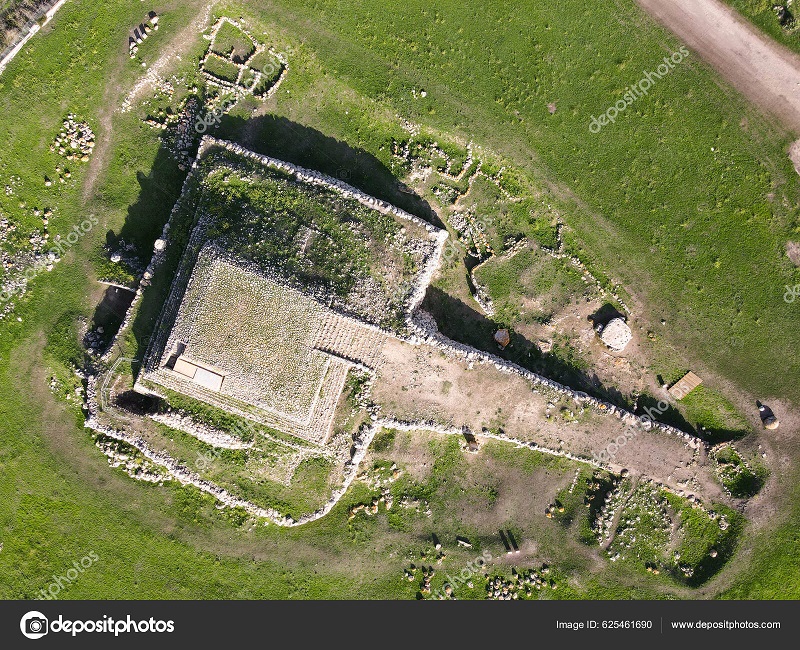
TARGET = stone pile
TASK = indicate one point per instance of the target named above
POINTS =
(616, 334)
(19, 267)
(94, 340)
(613, 501)
(520, 585)
(180, 141)
(75, 141)
(133, 465)
(201, 431)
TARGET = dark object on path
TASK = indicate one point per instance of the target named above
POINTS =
(768, 418)
(505, 542)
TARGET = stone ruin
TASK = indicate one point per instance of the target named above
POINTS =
(140, 33)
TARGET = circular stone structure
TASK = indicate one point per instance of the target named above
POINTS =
(616, 334)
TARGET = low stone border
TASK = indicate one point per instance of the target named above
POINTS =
(427, 332)
(16, 49)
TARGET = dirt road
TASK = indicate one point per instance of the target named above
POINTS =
(767, 74)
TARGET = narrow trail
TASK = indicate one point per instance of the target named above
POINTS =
(178, 46)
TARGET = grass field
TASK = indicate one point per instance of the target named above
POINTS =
(687, 200)
(230, 42)
(765, 17)
(221, 68)
(531, 287)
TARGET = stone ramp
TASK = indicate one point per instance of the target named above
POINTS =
(349, 339)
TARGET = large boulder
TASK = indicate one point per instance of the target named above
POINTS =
(616, 334)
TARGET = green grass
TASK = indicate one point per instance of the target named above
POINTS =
(208, 414)
(643, 532)
(63, 341)
(694, 234)
(266, 63)
(531, 286)
(236, 470)
(713, 415)
(775, 561)
(740, 479)
(221, 68)
(664, 532)
(266, 82)
(579, 511)
(231, 42)
(699, 535)
(248, 77)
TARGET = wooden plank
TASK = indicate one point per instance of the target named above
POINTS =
(685, 385)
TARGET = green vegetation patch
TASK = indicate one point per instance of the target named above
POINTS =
(642, 534)
(737, 476)
(269, 474)
(531, 286)
(267, 64)
(63, 341)
(221, 68)
(706, 539)
(667, 534)
(576, 506)
(231, 42)
(713, 415)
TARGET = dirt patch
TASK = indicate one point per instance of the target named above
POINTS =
(763, 71)
(623, 373)
(793, 252)
(417, 383)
